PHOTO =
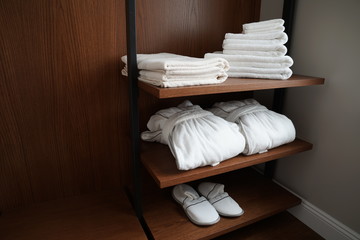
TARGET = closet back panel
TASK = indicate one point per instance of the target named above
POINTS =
(63, 107)
(191, 28)
(64, 121)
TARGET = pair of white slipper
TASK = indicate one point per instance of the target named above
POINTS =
(205, 209)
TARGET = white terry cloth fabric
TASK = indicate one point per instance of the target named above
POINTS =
(255, 47)
(169, 62)
(265, 73)
(253, 61)
(263, 129)
(171, 70)
(257, 38)
(263, 26)
(253, 50)
(195, 137)
(224, 204)
(213, 73)
(178, 83)
(197, 208)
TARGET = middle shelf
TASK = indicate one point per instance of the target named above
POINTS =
(161, 165)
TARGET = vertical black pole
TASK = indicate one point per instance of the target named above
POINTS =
(279, 94)
(133, 103)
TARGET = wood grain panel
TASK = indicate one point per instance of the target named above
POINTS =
(60, 99)
(105, 216)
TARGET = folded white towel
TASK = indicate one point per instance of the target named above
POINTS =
(264, 26)
(255, 47)
(257, 36)
(273, 51)
(183, 83)
(263, 129)
(253, 61)
(169, 62)
(246, 72)
(265, 30)
(256, 39)
(171, 70)
(218, 75)
(196, 137)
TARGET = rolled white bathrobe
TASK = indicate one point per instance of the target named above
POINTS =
(195, 137)
(263, 129)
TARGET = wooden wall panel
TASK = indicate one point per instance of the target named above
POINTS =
(61, 99)
(63, 102)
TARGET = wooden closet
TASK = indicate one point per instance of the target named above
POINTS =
(65, 146)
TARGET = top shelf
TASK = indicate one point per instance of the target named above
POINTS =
(231, 85)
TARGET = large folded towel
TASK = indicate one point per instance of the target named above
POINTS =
(171, 70)
(264, 26)
(266, 73)
(195, 137)
(256, 39)
(263, 129)
(253, 61)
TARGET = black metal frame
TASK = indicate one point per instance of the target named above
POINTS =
(133, 104)
(278, 101)
(279, 94)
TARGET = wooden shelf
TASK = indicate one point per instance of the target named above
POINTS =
(231, 85)
(91, 217)
(259, 197)
(280, 226)
(160, 163)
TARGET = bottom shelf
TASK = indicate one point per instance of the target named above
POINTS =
(90, 217)
(280, 226)
(258, 196)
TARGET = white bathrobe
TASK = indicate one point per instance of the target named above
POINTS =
(195, 137)
(263, 129)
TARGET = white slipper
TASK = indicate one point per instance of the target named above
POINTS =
(198, 209)
(222, 202)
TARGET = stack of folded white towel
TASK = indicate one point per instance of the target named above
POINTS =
(258, 52)
(171, 70)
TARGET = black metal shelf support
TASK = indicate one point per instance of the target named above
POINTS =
(133, 105)
(279, 94)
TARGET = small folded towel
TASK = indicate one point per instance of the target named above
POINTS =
(255, 47)
(257, 36)
(279, 50)
(257, 39)
(169, 62)
(264, 26)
